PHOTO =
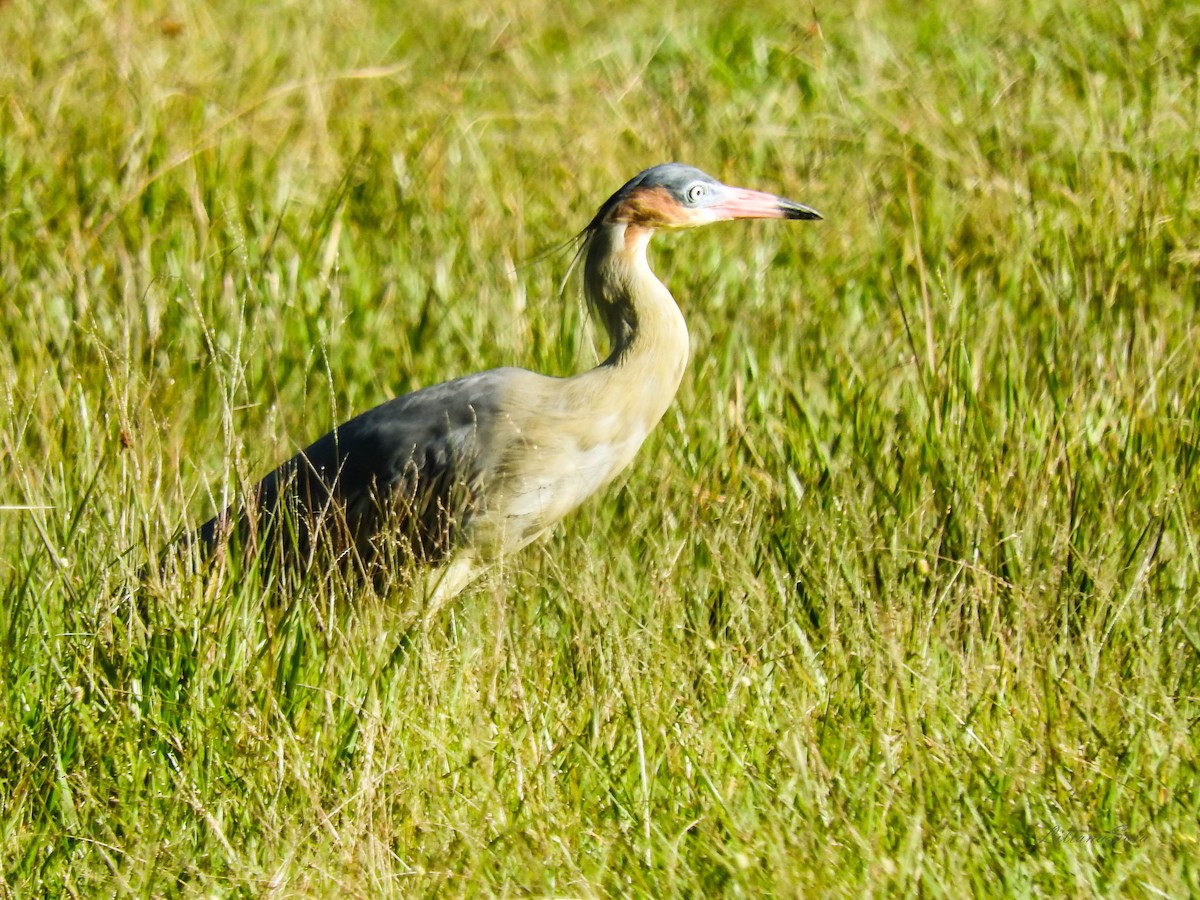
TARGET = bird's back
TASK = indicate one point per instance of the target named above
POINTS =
(411, 472)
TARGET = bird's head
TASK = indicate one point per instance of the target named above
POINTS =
(673, 195)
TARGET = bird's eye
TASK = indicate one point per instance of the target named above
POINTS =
(696, 191)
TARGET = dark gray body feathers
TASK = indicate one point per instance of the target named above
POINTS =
(407, 474)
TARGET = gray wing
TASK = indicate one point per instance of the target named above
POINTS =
(412, 471)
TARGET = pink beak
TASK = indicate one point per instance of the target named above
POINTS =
(740, 203)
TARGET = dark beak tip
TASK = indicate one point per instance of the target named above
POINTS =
(793, 210)
(803, 213)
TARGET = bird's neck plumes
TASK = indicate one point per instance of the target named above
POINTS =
(634, 307)
(636, 383)
(608, 281)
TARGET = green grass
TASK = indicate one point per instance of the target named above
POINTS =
(902, 598)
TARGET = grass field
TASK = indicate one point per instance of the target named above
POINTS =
(902, 597)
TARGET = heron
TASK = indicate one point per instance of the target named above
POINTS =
(451, 478)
